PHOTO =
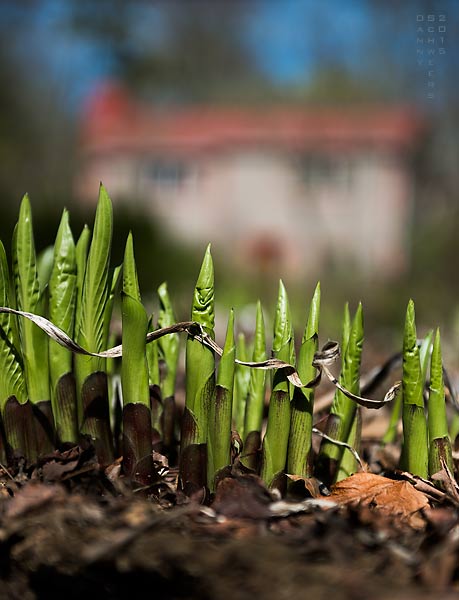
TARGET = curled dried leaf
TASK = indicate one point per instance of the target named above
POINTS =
(329, 353)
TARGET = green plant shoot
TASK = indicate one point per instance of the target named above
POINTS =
(169, 351)
(415, 448)
(154, 377)
(439, 441)
(343, 409)
(241, 385)
(255, 396)
(299, 451)
(34, 342)
(81, 258)
(137, 444)
(169, 345)
(275, 442)
(13, 395)
(91, 378)
(200, 381)
(219, 442)
(62, 298)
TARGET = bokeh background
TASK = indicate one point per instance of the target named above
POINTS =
(305, 140)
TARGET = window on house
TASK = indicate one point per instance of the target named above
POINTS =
(327, 171)
(167, 173)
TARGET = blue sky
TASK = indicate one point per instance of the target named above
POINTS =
(289, 39)
(280, 33)
(286, 36)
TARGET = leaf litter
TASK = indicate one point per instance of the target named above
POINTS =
(66, 524)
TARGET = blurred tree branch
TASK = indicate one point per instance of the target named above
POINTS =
(194, 51)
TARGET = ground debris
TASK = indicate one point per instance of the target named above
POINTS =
(71, 531)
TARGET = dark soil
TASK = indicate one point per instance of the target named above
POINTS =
(69, 530)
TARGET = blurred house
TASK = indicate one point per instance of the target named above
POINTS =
(292, 188)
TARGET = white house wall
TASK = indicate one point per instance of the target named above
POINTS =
(354, 212)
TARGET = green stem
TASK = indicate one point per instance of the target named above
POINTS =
(200, 382)
(255, 397)
(300, 442)
(439, 441)
(91, 376)
(275, 442)
(62, 296)
(219, 442)
(241, 386)
(137, 443)
(415, 448)
(34, 342)
(343, 408)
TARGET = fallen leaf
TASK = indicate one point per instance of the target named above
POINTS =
(395, 499)
(54, 471)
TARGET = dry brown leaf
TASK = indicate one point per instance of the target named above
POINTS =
(395, 499)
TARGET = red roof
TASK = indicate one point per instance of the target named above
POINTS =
(113, 121)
